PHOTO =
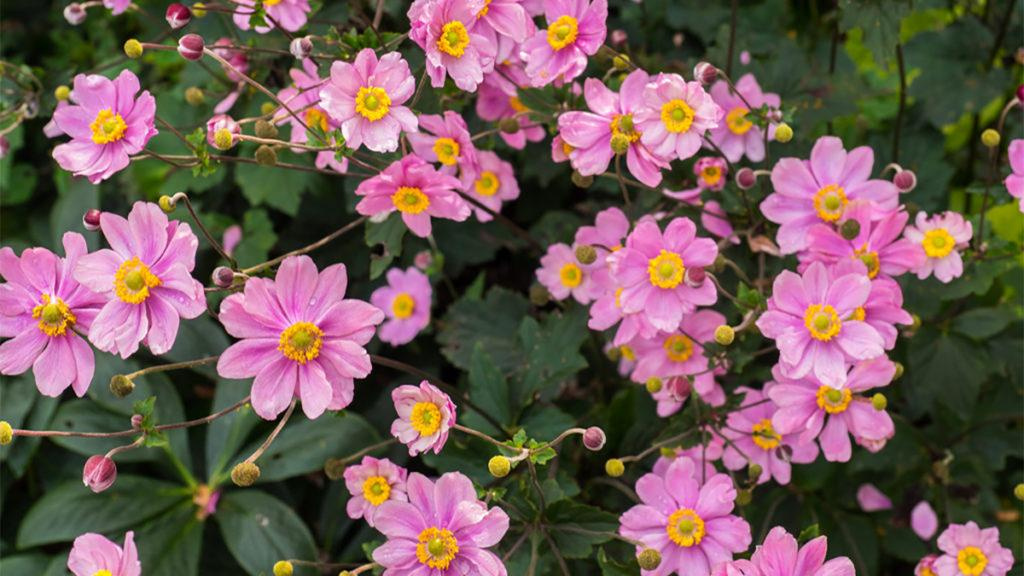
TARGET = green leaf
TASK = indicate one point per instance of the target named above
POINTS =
(610, 567)
(170, 544)
(24, 565)
(259, 530)
(225, 435)
(880, 22)
(551, 350)
(981, 323)
(809, 533)
(488, 389)
(385, 238)
(1007, 222)
(275, 187)
(576, 528)
(948, 369)
(491, 323)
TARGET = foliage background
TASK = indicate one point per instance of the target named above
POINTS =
(958, 406)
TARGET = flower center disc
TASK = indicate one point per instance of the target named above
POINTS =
(563, 32)
(447, 151)
(822, 322)
(666, 269)
(971, 561)
(764, 436)
(436, 548)
(685, 528)
(677, 116)
(711, 175)
(372, 103)
(403, 305)
(833, 401)
(487, 184)
(570, 275)
(410, 200)
(108, 127)
(678, 348)
(454, 39)
(301, 342)
(870, 259)
(133, 280)
(54, 316)
(425, 418)
(316, 118)
(938, 243)
(737, 121)
(376, 490)
(829, 202)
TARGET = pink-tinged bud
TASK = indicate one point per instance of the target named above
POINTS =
(136, 421)
(177, 15)
(99, 473)
(905, 180)
(301, 47)
(5, 146)
(423, 260)
(223, 276)
(1020, 93)
(594, 438)
(74, 13)
(619, 37)
(705, 73)
(745, 58)
(191, 46)
(222, 131)
(91, 219)
(745, 178)
(694, 277)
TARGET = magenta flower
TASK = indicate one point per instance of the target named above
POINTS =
(576, 29)
(809, 192)
(690, 524)
(737, 135)
(146, 279)
(608, 232)
(231, 239)
(406, 305)
(443, 529)
(366, 99)
(222, 124)
(417, 190)
(450, 34)
(675, 116)
(924, 521)
(942, 237)
(288, 14)
(505, 24)
(494, 184)
(711, 172)
(815, 411)
(92, 554)
(972, 551)
(814, 322)
(498, 98)
(679, 352)
(1015, 181)
(926, 566)
(883, 309)
(677, 389)
(714, 219)
(564, 276)
(300, 338)
(708, 452)
(41, 305)
(871, 499)
(594, 136)
(371, 483)
(107, 123)
(446, 140)
(425, 416)
(654, 272)
(117, 6)
(781, 555)
(303, 98)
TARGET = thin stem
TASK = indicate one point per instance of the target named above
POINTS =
(504, 221)
(903, 103)
(209, 237)
(174, 366)
(273, 435)
(321, 242)
(732, 37)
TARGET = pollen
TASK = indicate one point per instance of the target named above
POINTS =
(403, 305)
(108, 127)
(570, 275)
(316, 118)
(372, 103)
(133, 280)
(666, 269)
(487, 184)
(737, 122)
(563, 32)
(54, 316)
(437, 548)
(678, 348)
(677, 116)
(711, 175)
(103, 572)
(425, 418)
(517, 104)
(447, 151)
(870, 259)
(483, 11)
(971, 561)
(454, 39)
(622, 124)
(830, 202)
(627, 353)
(685, 527)
(938, 243)
(376, 490)
(833, 401)
(822, 322)
(410, 200)
(764, 436)
(301, 342)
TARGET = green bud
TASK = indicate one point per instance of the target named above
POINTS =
(283, 568)
(539, 295)
(62, 93)
(245, 474)
(334, 468)
(121, 385)
(1018, 490)
(133, 48)
(265, 129)
(586, 254)
(649, 559)
(499, 466)
(166, 204)
(850, 229)
(754, 471)
(783, 133)
(582, 181)
(653, 384)
(621, 62)
(194, 96)
(990, 138)
(725, 335)
(743, 497)
(6, 433)
(265, 156)
(879, 401)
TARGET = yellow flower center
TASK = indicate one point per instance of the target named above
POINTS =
(108, 127)
(570, 275)
(567, 148)
(711, 175)
(437, 548)
(372, 103)
(403, 305)
(618, 297)
(666, 269)
(622, 124)
(685, 528)
(517, 104)
(483, 11)
(869, 258)
(410, 200)
(133, 280)
(858, 314)
(677, 116)
(376, 490)
(316, 118)
(764, 435)
(829, 202)
(971, 561)
(425, 418)
(447, 151)
(563, 32)
(822, 322)
(627, 352)
(271, 2)
(54, 316)
(737, 120)
(102, 573)
(454, 39)
(833, 401)
(301, 342)
(487, 184)
(926, 571)
(938, 243)
(678, 348)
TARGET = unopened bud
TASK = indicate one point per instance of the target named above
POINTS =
(91, 219)
(99, 473)
(245, 474)
(6, 433)
(265, 129)
(265, 156)
(166, 203)
(754, 471)
(653, 384)
(509, 125)
(194, 96)
(1020, 93)
(1018, 491)
(177, 16)
(334, 468)
(191, 46)
(879, 401)
(725, 335)
(705, 73)
(223, 277)
(499, 466)
(74, 13)
(582, 181)
(990, 138)
(850, 229)
(915, 322)
(586, 254)
(905, 180)
(133, 48)
(594, 438)
(783, 133)
(695, 277)
(899, 371)
(539, 295)
(121, 385)
(199, 10)
(613, 353)
(620, 143)
(618, 37)
(649, 559)
(62, 93)
(744, 496)
(222, 131)
(614, 467)
(136, 421)
(745, 178)
(267, 108)
(621, 62)
(283, 568)
(301, 47)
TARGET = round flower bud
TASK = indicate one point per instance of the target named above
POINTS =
(221, 131)
(743, 497)
(177, 15)
(133, 48)
(621, 62)
(539, 295)
(582, 181)
(301, 47)
(705, 73)
(194, 96)
(423, 260)
(499, 466)
(614, 467)
(695, 277)
(99, 473)
(783, 133)
(223, 277)
(725, 335)
(620, 143)
(745, 178)
(1018, 491)
(265, 129)
(245, 474)
(653, 384)
(990, 138)
(594, 438)
(166, 203)
(199, 10)
(850, 229)
(267, 108)
(91, 219)
(509, 125)
(6, 433)
(265, 156)
(62, 93)
(283, 568)
(667, 452)
(899, 371)
(649, 559)
(905, 180)
(618, 37)
(586, 254)
(334, 468)
(190, 46)
(1020, 93)
(121, 385)
(74, 13)
(879, 401)
(136, 421)
(754, 471)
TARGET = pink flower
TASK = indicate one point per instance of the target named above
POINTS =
(231, 239)
(926, 566)
(506, 25)
(883, 309)
(371, 483)
(576, 29)
(871, 499)
(829, 415)
(712, 173)
(1015, 181)
(594, 135)
(737, 135)
(972, 551)
(406, 305)
(675, 390)
(563, 275)
(494, 184)
(809, 192)
(239, 64)
(653, 272)
(675, 116)
(450, 34)
(288, 14)
(41, 305)
(813, 320)
(93, 554)
(690, 524)
(924, 521)
(425, 415)
(417, 190)
(117, 6)
(447, 140)
(498, 98)
(106, 123)
(443, 529)
(300, 338)
(942, 237)
(781, 555)
(680, 352)
(366, 99)
(708, 451)
(560, 149)
(216, 124)
(304, 99)
(714, 219)
(608, 232)
(145, 277)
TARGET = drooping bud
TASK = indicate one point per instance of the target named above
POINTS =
(582, 181)
(245, 474)
(74, 13)
(705, 73)
(621, 62)
(745, 178)
(265, 129)
(133, 48)
(614, 467)
(905, 180)
(177, 16)
(99, 473)
(620, 143)
(166, 204)
(695, 277)
(223, 277)
(509, 125)
(334, 468)
(783, 133)
(849, 229)
(586, 254)
(725, 335)
(283, 568)
(990, 138)
(190, 46)
(499, 466)
(6, 433)
(61, 93)
(653, 384)
(423, 260)
(265, 156)
(539, 295)
(879, 401)
(618, 37)
(649, 559)
(301, 48)
(1020, 93)
(91, 219)
(194, 96)
(121, 385)
(594, 438)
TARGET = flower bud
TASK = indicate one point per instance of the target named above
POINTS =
(99, 473)
(618, 37)
(879, 401)
(121, 385)
(423, 260)
(1020, 93)
(594, 438)
(653, 384)
(301, 47)
(649, 559)
(905, 180)
(694, 277)
(222, 131)
(509, 125)
(6, 433)
(62, 93)
(725, 335)
(620, 143)
(1018, 491)
(586, 254)
(267, 108)
(539, 295)
(190, 46)
(199, 10)
(899, 371)
(136, 421)
(850, 229)
(754, 471)
(499, 466)
(990, 138)
(265, 129)
(265, 156)
(133, 48)
(783, 133)
(283, 568)
(582, 181)
(334, 468)
(223, 277)
(166, 204)
(621, 62)
(245, 474)
(614, 467)
(91, 219)
(177, 15)
(74, 13)
(744, 496)
(745, 178)
(194, 96)
(705, 73)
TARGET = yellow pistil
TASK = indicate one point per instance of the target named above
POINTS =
(483, 11)
(666, 269)
(627, 352)
(858, 314)
(678, 348)
(403, 305)
(926, 571)
(316, 118)
(938, 243)
(822, 322)
(618, 297)
(271, 2)
(971, 561)
(454, 39)
(437, 548)
(711, 175)
(623, 124)
(425, 418)
(685, 528)
(376, 490)
(567, 148)
(487, 184)
(103, 572)
(410, 200)
(570, 275)
(563, 32)
(54, 316)
(677, 116)
(764, 436)
(301, 342)
(108, 127)
(737, 120)
(869, 258)
(517, 104)
(447, 151)
(829, 202)
(372, 103)
(133, 280)
(833, 401)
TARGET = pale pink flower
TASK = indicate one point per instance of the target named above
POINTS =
(493, 185)
(942, 237)
(714, 219)
(371, 483)
(1015, 181)
(712, 173)
(972, 551)
(924, 521)
(871, 499)
(782, 555)
(446, 139)
(231, 239)
(303, 98)
(425, 417)
(674, 116)
(92, 554)
(737, 135)
(405, 301)
(926, 566)
(576, 29)
(449, 31)
(563, 275)
(288, 14)
(498, 98)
